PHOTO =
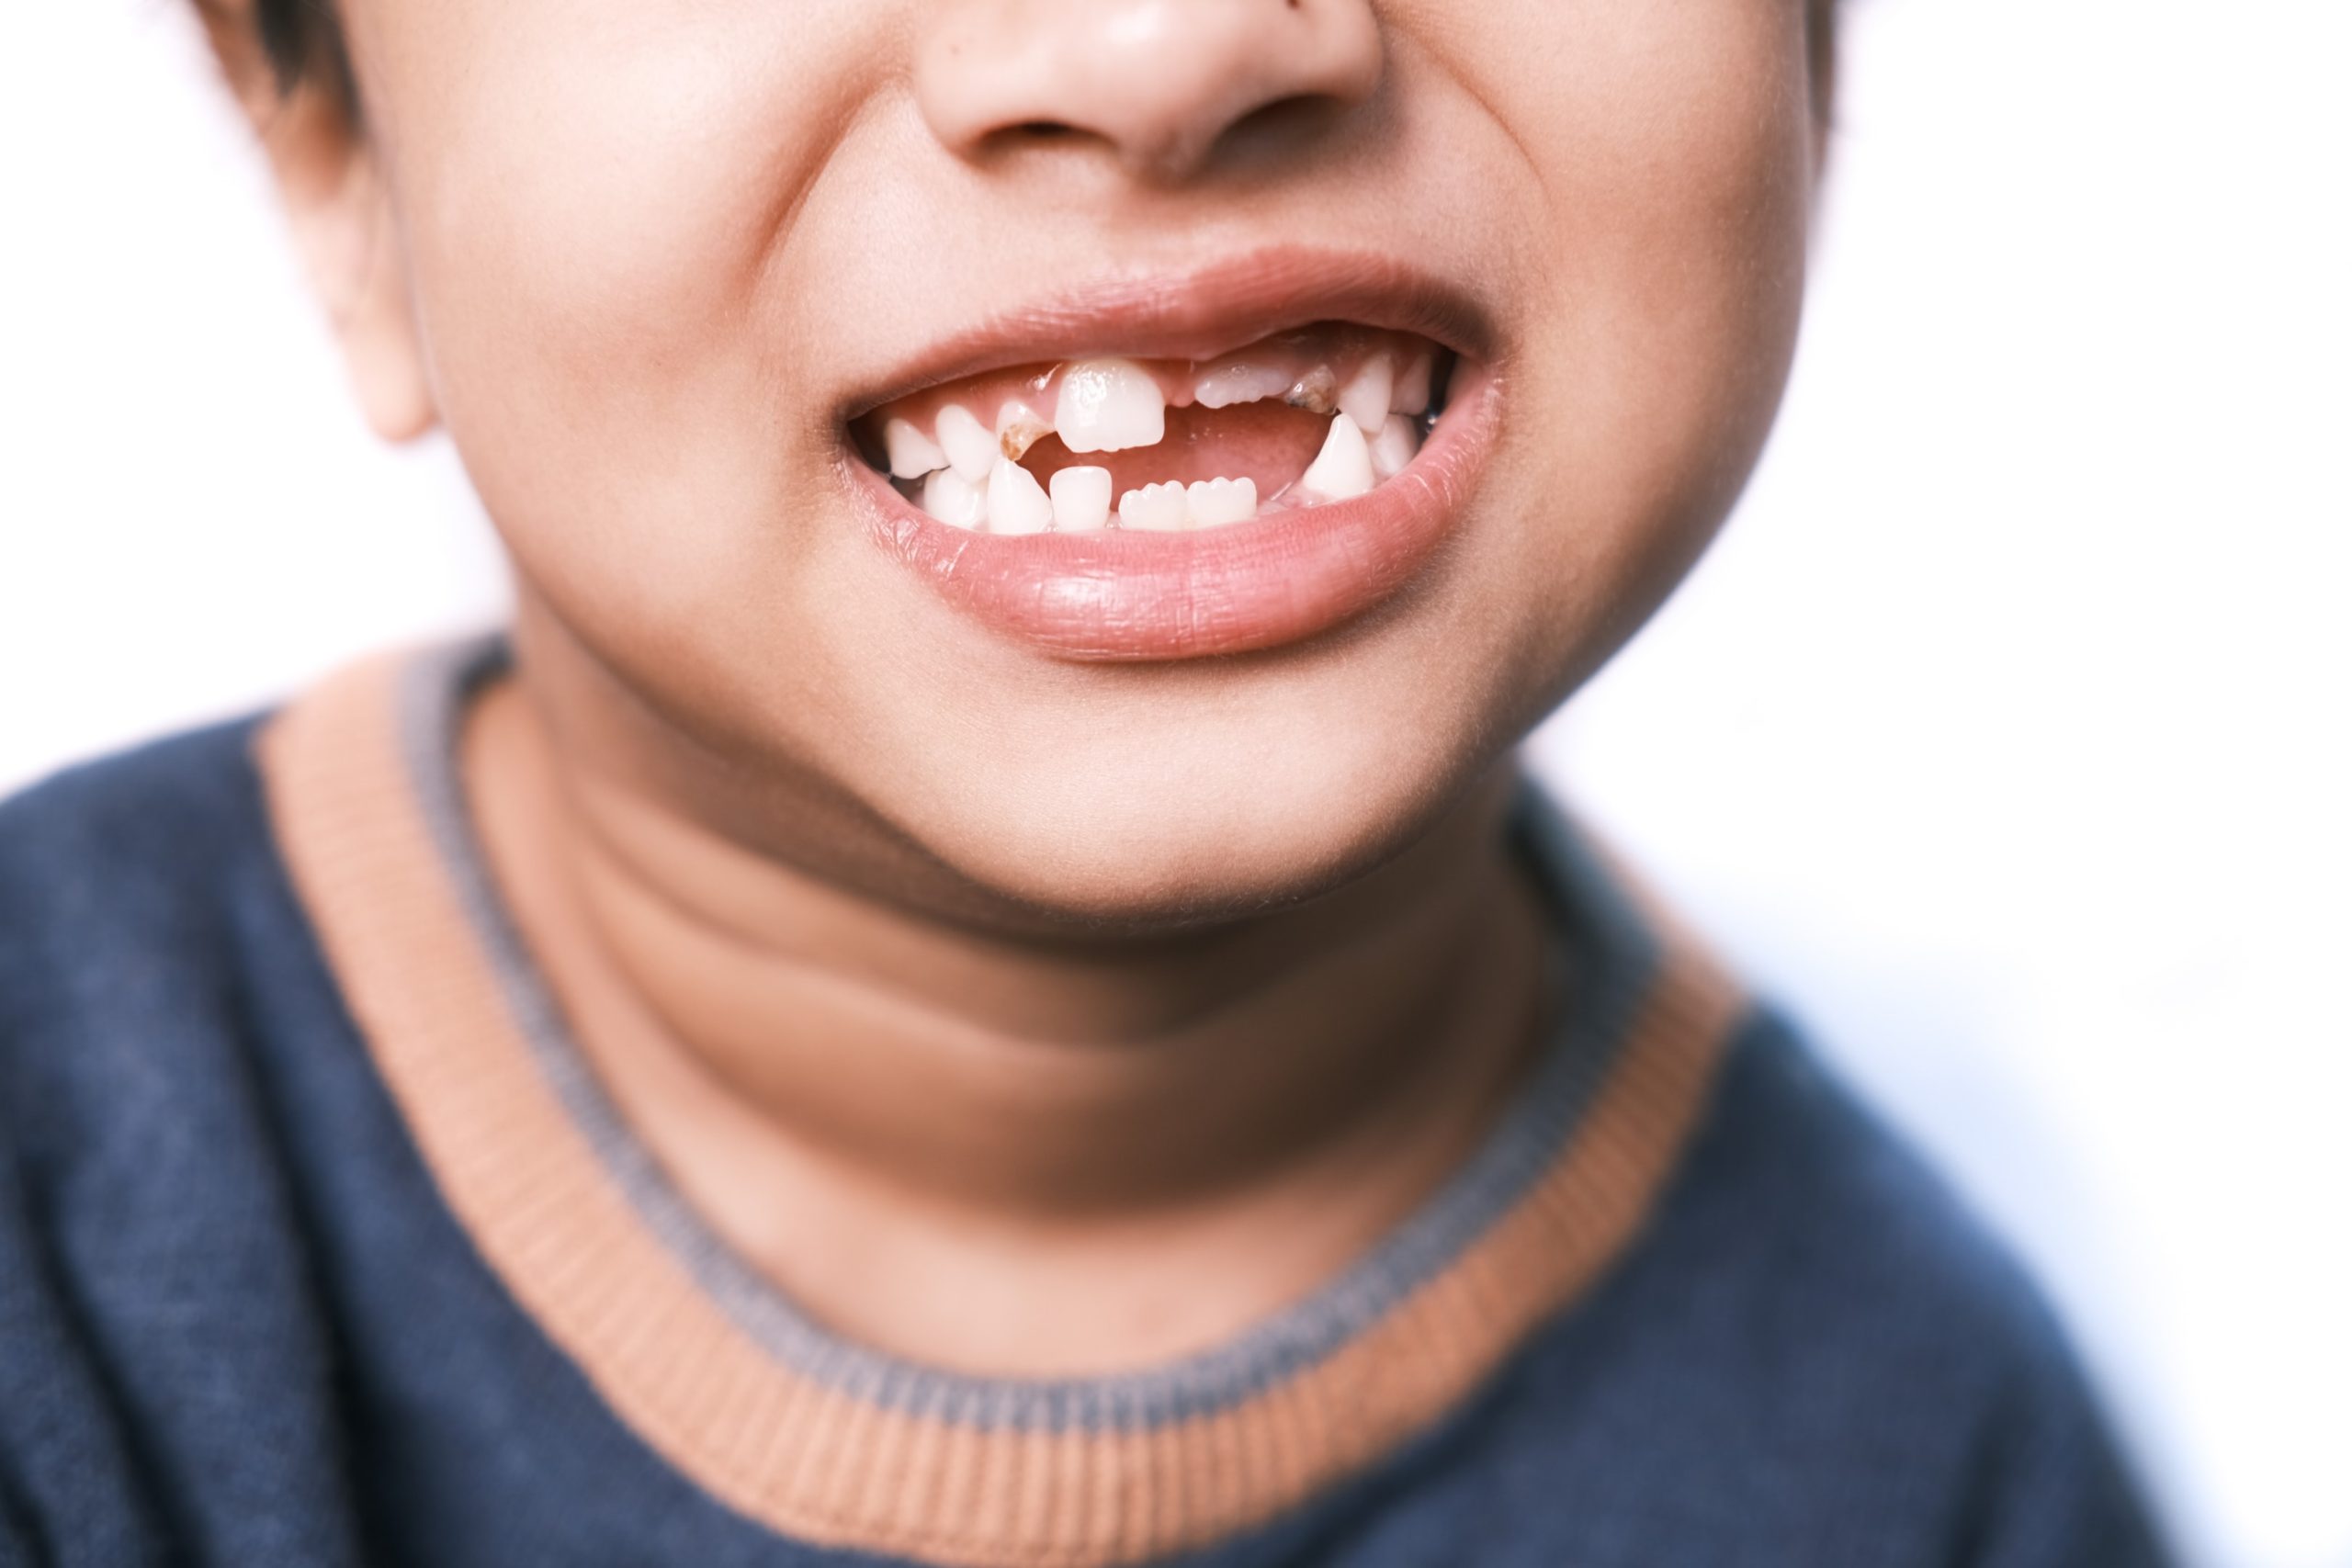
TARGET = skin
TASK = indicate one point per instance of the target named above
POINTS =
(1021, 1014)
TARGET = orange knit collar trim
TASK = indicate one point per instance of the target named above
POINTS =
(836, 1444)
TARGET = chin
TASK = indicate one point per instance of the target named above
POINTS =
(1154, 838)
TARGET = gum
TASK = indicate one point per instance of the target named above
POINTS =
(1268, 443)
(1325, 357)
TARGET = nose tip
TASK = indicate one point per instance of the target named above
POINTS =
(1161, 85)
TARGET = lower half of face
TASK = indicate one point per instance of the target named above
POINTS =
(1142, 480)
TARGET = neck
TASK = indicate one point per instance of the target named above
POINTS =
(1135, 1144)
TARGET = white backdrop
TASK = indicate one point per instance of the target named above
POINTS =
(2004, 738)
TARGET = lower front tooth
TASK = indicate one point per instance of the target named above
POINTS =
(1081, 498)
(1398, 443)
(1211, 503)
(1161, 508)
(950, 497)
(1342, 471)
(1017, 503)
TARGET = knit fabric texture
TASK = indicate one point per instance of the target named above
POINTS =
(319, 1246)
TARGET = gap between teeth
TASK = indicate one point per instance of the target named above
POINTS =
(1009, 499)
(971, 476)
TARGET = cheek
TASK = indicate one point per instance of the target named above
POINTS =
(591, 195)
(631, 231)
(1674, 148)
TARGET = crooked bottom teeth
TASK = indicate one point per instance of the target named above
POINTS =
(1008, 499)
(1342, 471)
(950, 497)
(1017, 503)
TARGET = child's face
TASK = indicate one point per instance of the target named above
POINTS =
(662, 260)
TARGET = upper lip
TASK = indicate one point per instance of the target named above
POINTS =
(1201, 313)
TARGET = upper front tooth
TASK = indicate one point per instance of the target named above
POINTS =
(971, 448)
(1161, 507)
(1017, 503)
(1412, 392)
(1020, 427)
(1239, 382)
(912, 454)
(1342, 471)
(1398, 443)
(1082, 500)
(1211, 503)
(950, 497)
(1109, 405)
(1365, 396)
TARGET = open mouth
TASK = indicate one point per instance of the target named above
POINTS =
(1301, 419)
(1190, 464)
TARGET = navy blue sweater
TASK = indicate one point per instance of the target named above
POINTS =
(253, 1315)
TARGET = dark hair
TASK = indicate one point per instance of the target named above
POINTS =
(304, 42)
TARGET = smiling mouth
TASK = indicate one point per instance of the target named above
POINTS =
(1306, 418)
(1175, 465)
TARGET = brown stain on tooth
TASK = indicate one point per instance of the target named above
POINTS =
(1317, 391)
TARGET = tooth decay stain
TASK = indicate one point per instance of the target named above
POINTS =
(957, 451)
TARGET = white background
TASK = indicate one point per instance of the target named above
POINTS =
(2004, 737)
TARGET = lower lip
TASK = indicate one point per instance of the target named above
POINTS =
(1143, 596)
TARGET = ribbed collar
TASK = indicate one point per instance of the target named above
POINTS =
(839, 1444)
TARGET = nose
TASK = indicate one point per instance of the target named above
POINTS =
(1161, 85)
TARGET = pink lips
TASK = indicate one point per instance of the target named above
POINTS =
(1141, 596)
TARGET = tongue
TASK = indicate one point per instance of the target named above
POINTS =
(1268, 442)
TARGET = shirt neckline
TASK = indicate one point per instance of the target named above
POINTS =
(836, 1442)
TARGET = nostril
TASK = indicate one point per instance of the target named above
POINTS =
(1285, 120)
(1156, 84)
(1030, 133)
